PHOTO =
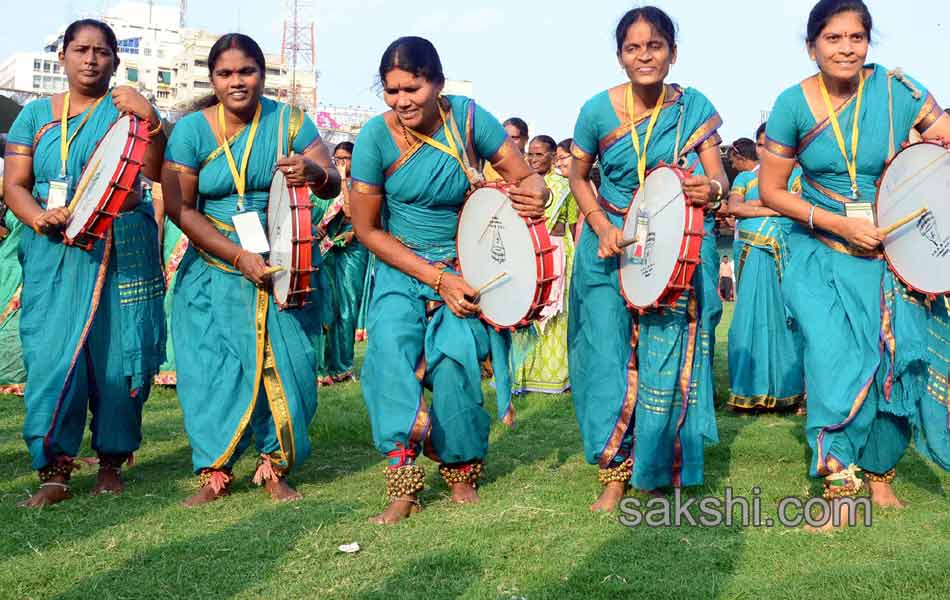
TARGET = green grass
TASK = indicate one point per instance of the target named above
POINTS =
(531, 537)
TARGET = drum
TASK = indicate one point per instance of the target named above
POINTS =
(917, 180)
(665, 235)
(110, 174)
(508, 258)
(291, 242)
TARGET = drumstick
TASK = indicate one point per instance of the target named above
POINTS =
(273, 269)
(490, 283)
(904, 221)
(494, 214)
(626, 242)
(83, 183)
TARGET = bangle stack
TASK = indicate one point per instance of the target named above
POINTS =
(438, 283)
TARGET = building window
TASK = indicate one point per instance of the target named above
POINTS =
(160, 53)
(37, 81)
(202, 84)
(164, 77)
(147, 51)
(47, 67)
(201, 63)
(163, 94)
(273, 71)
(129, 46)
(37, 64)
(132, 74)
(55, 67)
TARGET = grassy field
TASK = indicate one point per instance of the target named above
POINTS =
(531, 537)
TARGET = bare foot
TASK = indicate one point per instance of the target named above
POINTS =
(203, 496)
(464, 493)
(53, 491)
(281, 491)
(610, 498)
(399, 509)
(844, 512)
(109, 481)
(882, 495)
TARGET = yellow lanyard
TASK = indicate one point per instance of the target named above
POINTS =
(851, 164)
(642, 156)
(64, 138)
(240, 177)
(451, 149)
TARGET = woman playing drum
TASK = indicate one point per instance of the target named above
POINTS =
(628, 392)
(244, 367)
(91, 324)
(864, 353)
(409, 166)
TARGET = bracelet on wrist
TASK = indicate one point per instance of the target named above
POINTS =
(438, 283)
(237, 258)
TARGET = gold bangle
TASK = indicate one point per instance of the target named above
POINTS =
(158, 129)
(591, 212)
(438, 283)
(234, 263)
(36, 227)
(719, 188)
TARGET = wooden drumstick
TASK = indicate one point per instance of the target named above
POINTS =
(490, 283)
(273, 269)
(83, 183)
(904, 221)
(627, 242)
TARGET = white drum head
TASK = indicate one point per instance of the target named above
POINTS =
(97, 175)
(280, 235)
(656, 217)
(919, 252)
(503, 245)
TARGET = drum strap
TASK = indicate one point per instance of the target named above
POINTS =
(455, 147)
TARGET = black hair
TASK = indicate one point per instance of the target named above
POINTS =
(547, 141)
(566, 144)
(75, 26)
(518, 123)
(344, 146)
(759, 131)
(236, 41)
(822, 12)
(659, 20)
(415, 55)
(745, 148)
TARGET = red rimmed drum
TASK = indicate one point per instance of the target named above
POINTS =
(110, 174)
(291, 242)
(666, 236)
(508, 257)
(917, 180)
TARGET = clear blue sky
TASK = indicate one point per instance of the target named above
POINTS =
(542, 59)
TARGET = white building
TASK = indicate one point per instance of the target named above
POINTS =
(167, 63)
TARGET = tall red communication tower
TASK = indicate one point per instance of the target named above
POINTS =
(298, 52)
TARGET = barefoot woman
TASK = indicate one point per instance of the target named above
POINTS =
(245, 369)
(412, 165)
(92, 325)
(864, 353)
(629, 374)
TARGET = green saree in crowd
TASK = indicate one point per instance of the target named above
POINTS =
(765, 354)
(91, 322)
(12, 371)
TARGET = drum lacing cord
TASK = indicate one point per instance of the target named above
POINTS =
(898, 74)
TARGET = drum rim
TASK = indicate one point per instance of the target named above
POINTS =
(298, 286)
(133, 142)
(877, 205)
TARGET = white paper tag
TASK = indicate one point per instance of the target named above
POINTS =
(251, 232)
(58, 195)
(859, 210)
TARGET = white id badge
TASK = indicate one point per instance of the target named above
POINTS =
(58, 196)
(250, 232)
(859, 210)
